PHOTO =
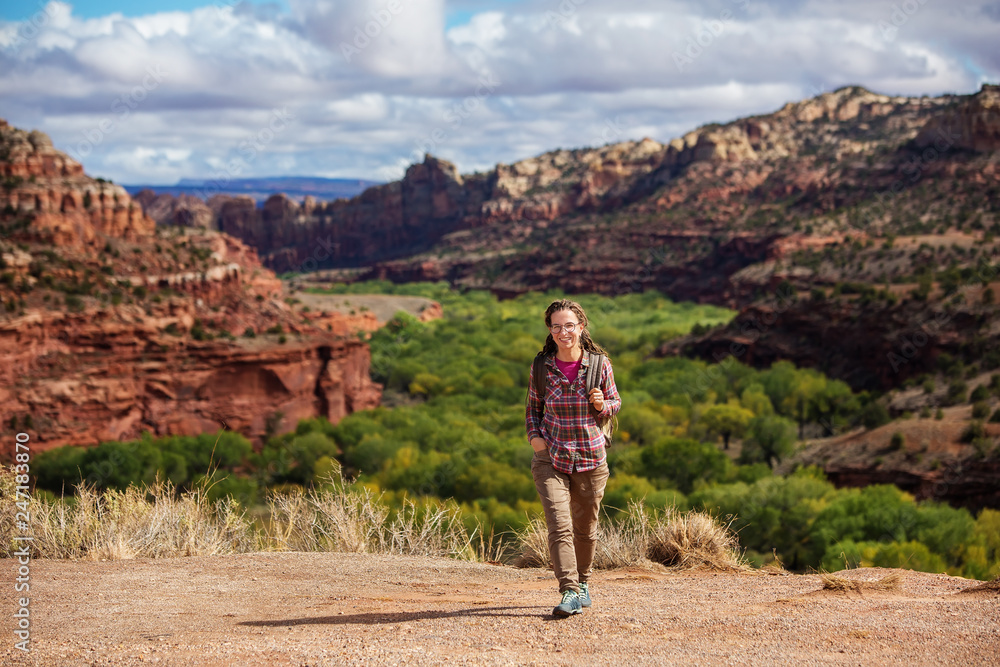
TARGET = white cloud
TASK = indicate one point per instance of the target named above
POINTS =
(367, 108)
(372, 83)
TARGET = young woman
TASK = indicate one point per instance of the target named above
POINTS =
(570, 463)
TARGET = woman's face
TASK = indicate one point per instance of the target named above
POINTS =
(565, 320)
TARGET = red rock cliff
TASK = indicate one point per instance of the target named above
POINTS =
(64, 205)
(110, 327)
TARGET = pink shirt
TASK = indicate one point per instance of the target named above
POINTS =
(569, 368)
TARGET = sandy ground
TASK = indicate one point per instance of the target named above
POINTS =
(336, 609)
(383, 306)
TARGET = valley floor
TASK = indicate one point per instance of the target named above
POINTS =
(336, 609)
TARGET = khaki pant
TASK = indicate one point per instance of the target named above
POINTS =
(571, 503)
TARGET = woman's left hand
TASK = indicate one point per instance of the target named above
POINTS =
(597, 398)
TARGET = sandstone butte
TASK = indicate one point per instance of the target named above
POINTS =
(110, 327)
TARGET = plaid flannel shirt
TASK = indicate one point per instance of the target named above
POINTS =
(575, 441)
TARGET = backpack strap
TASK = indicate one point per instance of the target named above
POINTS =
(596, 364)
(539, 376)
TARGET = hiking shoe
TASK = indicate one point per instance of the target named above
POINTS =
(584, 595)
(570, 604)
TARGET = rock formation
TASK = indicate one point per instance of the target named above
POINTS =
(180, 211)
(110, 327)
(111, 374)
(649, 214)
(972, 124)
(64, 205)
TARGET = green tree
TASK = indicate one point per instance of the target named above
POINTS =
(770, 438)
(682, 461)
(830, 403)
(773, 513)
(878, 513)
(756, 400)
(727, 420)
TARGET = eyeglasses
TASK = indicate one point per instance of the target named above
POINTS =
(569, 327)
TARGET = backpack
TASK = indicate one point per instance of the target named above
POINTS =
(539, 378)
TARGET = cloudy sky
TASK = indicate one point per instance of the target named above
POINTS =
(151, 92)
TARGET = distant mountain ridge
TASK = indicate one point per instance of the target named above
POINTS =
(681, 216)
(294, 187)
(866, 200)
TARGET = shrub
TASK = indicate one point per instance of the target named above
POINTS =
(74, 303)
(897, 442)
(694, 539)
(957, 392)
(623, 489)
(878, 513)
(672, 538)
(980, 393)
(973, 431)
(774, 513)
(874, 415)
(980, 410)
(198, 332)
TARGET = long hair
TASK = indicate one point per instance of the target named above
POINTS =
(586, 342)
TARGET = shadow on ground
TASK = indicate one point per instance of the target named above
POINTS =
(400, 617)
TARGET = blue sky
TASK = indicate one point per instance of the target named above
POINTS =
(457, 14)
(157, 91)
(19, 11)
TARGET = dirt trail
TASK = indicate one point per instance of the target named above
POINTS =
(336, 609)
(383, 306)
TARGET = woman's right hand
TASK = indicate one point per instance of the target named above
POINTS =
(538, 444)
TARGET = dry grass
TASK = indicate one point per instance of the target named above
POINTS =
(533, 545)
(139, 522)
(832, 582)
(676, 539)
(624, 542)
(327, 520)
(694, 539)
(489, 546)
(775, 567)
(157, 522)
(992, 586)
(342, 517)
